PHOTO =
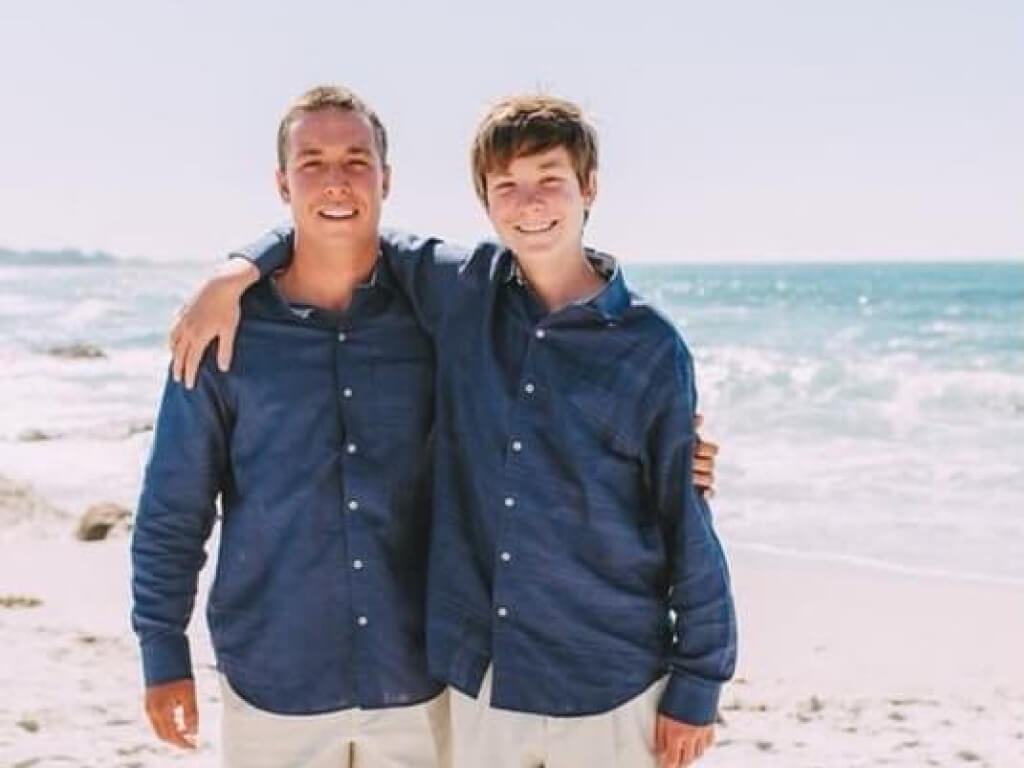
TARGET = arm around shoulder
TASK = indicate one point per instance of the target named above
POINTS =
(430, 271)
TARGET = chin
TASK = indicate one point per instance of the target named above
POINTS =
(538, 245)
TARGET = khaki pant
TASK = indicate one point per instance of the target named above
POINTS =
(415, 736)
(485, 737)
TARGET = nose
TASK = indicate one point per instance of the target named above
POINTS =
(530, 197)
(336, 179)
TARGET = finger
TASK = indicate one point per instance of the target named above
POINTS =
(226, 348)
(661, 740)
(673, 752)
(705, 741)
(698, 420)
(163, 724)
(176, 733)
(190, 716)
(172, 338)
(195, 357)
(178, 356)
(156, 722)
(177, 328)
(686, 756)
(703, 465)
(707, 448)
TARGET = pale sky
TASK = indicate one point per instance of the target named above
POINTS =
(730, 130)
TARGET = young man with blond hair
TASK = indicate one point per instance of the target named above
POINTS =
(578, 599)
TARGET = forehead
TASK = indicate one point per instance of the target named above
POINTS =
(553, 158)
(329, 127)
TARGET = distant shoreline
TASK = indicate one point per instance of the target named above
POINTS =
(78, 257)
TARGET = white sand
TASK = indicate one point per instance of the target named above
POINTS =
(841, 666)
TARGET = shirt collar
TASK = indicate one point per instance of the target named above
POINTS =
(380, 279)
(611, 301)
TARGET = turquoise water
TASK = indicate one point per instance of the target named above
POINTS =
(866, 411)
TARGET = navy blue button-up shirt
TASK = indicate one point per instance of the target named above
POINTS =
(318, 444)
(570, 549)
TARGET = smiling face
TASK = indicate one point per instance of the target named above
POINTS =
(333, 178)
(537, 205)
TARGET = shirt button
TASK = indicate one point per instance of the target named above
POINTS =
(346, 392)
(357, 564)
(540, 333)
(362, 621)
(351, 448)
(506, 557)
(341, 336)
(509, 501)
(517, 446)
(529, 388)
(353, 505)
(502, 611)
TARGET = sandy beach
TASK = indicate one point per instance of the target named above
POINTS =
(841, 665)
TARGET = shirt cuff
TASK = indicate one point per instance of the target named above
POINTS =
(690, 699)
(165, 659)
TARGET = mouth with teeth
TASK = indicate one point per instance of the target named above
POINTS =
(337, 213)
(536, 229)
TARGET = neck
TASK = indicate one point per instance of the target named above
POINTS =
(559, 281)
(325, 275)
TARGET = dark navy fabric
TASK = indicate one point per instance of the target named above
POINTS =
(570, 549)
(318, 444)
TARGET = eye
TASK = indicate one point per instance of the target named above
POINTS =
(503, 187)
(311, 164)
(551, 181)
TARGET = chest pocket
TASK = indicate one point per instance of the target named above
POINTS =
(603, 416)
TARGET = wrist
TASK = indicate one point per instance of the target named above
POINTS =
(236, 273)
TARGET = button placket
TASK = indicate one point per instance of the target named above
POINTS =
(528, 390)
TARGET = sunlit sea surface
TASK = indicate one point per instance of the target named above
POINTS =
(865, 411)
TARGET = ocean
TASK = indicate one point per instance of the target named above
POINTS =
(866, 412)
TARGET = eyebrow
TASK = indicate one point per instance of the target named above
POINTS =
(315, 151)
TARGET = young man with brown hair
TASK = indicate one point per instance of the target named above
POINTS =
(566, 529)
(320, 458)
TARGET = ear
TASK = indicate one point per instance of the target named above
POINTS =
(282, 186)
(386, 181)
(590, 190)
